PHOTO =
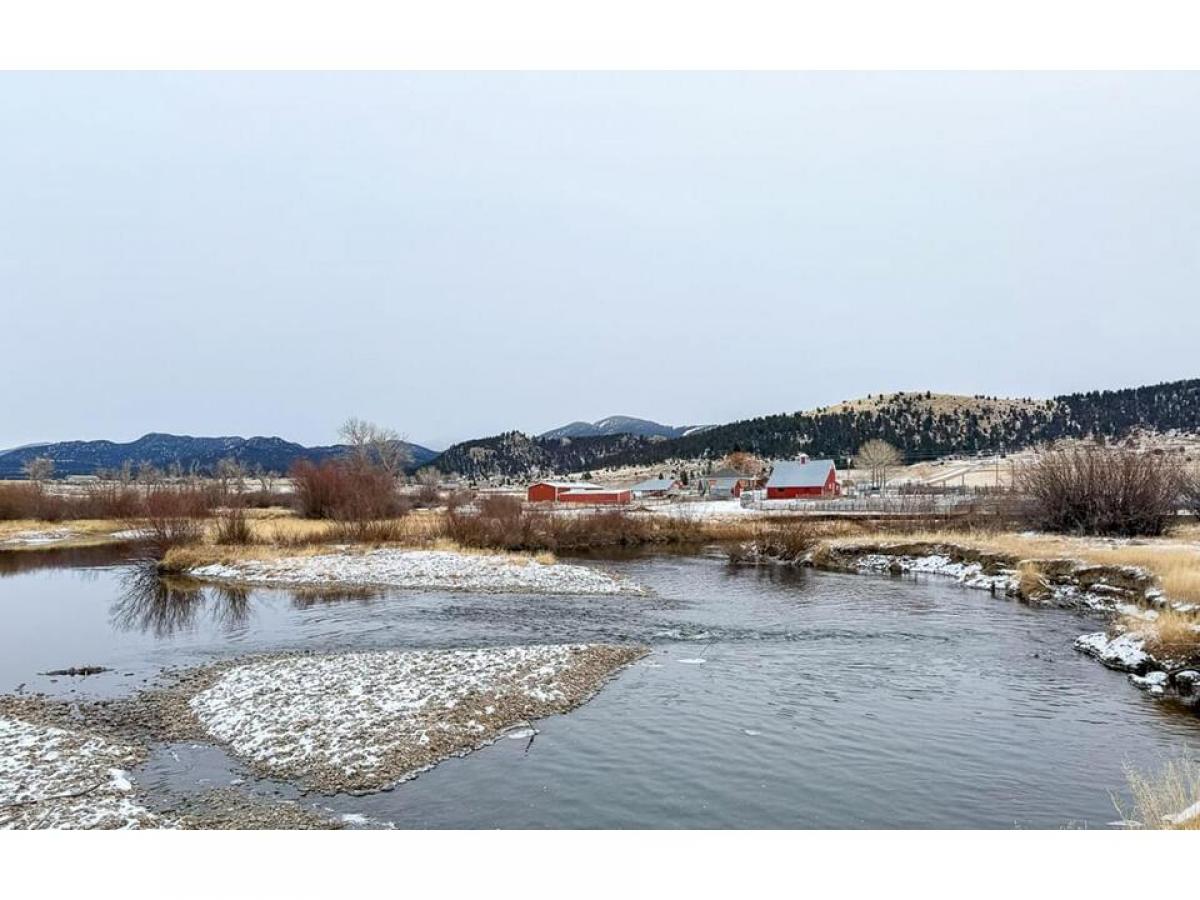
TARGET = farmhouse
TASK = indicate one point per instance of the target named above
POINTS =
(725, 484)
(655, 487)
(790, 479)
(575, 492)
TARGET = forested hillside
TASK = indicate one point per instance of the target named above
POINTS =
(921, 424)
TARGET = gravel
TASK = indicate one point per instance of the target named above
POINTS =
(426, 569)
(52, 777)
(364, 721)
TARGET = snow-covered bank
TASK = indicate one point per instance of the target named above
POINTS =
(54, 778)
(423, 569)
(37, 538)
(363, 721)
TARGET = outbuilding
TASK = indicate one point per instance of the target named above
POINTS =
(791, 479)
(596, 495)
(655, 487)
(553, 490)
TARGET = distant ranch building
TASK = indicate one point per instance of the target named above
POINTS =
(655, 487)
(792, 480)
(725, 484)
(575, 492)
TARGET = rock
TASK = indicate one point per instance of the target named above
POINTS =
(1187, 682)
(1154, 682)
(1124, 652)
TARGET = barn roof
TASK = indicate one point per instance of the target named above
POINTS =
(726, 482)
(789, 473)
(571, 485)
(654, 484)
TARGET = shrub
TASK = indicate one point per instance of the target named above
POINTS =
(232, 527)
(1096, 491)
(346, 491)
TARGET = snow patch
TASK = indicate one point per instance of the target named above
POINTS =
(54, 778)
(1124, 652)
(424, 569)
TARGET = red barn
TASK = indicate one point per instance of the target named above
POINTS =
(552, 490)
(790, 480)
(595, 495)
(575, 492)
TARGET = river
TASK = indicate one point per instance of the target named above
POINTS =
(772, 698)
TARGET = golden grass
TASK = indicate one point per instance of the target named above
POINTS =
(1169, 635)
(1159, 795)
(1173, 560)
(84, 532)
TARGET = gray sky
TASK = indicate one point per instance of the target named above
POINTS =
(460, 254)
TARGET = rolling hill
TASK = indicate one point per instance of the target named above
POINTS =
(614, 425)
(164, 451)
(922, 424)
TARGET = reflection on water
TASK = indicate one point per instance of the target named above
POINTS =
(15, 562)
(164, 606)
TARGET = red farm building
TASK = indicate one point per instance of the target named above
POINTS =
(790, 480)
(575, 492)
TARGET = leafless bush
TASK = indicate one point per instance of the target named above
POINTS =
(346, 491)
(1098, 491)
(777, 541)
(505, 523)
(1189, 490)
(232, 526)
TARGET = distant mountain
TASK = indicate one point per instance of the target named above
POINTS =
(920, 423)
(619, 425)
(166, 450)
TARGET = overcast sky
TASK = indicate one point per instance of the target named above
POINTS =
(457, 255)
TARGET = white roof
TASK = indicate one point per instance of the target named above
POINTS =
(789, 473)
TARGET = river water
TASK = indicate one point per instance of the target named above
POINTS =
(772, 698)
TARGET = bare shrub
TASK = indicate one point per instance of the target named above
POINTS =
(1097, 491)
(786, 541)
(504, 522)
(232, 526)
(1189, 490)
(346, 491)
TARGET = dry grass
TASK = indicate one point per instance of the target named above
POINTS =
(1163, 794)
(1169, 635)
(1174, 561)
(84, 533)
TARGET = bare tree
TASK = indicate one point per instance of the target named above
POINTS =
(374, 445)
(878, 458)
(744, 463)
(39, 469)
(265, 477)
(230, 470)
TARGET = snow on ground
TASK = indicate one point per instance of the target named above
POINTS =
(969, 574)
(429, 569)
(31, 538)
(53, 778)
(1124, 652)
(361, 721)
(703, 509)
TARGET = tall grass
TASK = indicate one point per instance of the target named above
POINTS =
(1164, 799)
